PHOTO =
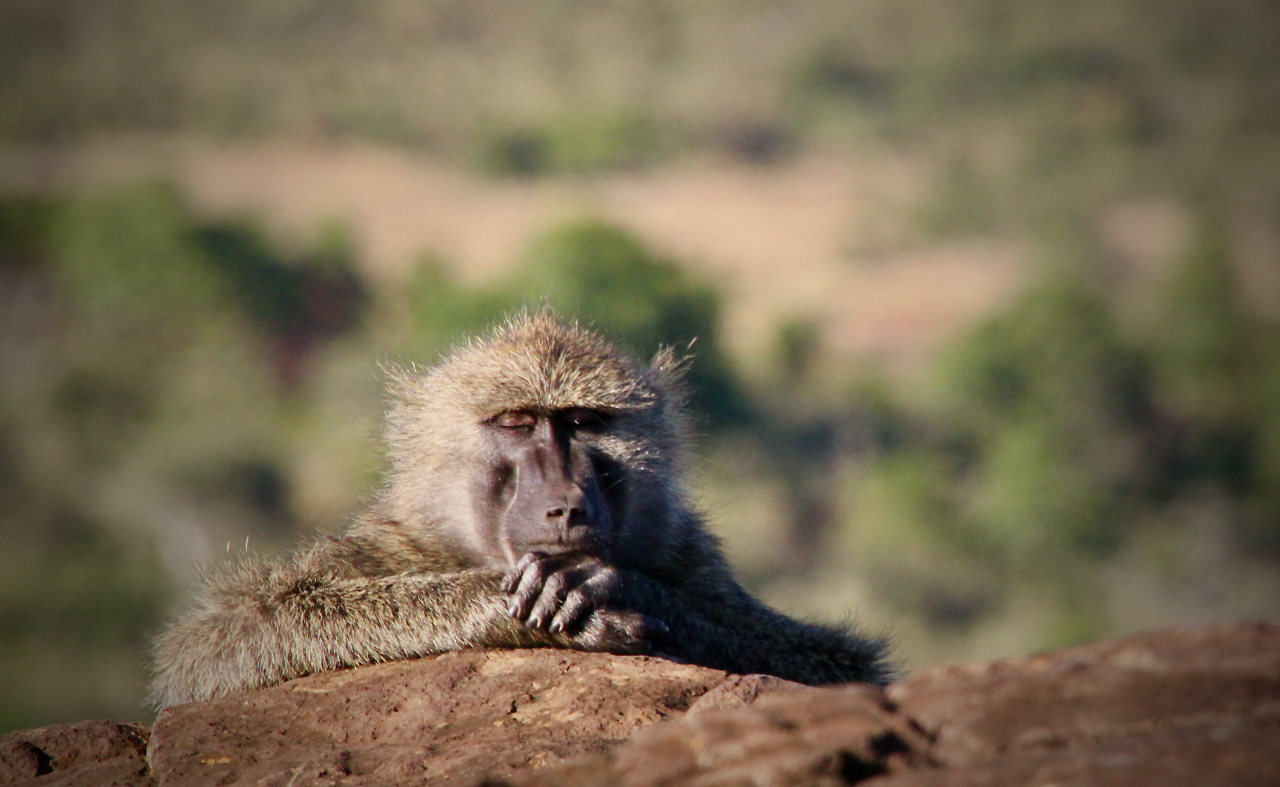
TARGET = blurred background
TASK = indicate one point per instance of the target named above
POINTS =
(986, 294)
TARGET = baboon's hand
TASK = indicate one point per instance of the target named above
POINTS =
(571, 596)
(554, 593)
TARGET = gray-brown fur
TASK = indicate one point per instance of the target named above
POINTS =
(440, 562)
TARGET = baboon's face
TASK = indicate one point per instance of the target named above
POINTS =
(546, 486)
(541, 440)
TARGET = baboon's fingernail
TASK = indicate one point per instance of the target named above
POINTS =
(556, 627)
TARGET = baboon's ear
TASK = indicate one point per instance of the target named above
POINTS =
(668, 369)
(670, 365)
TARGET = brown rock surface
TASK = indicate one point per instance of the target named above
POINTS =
(449, 718)
(1180, 705)
(816, 737)
(1177, 706)
(86, 754)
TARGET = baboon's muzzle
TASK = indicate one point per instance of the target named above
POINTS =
(557, 506)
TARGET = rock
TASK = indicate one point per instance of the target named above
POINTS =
(87, 754)
(814, 737)
(1181, 705)
(1243, 755)
(740, 690)
(453, 718)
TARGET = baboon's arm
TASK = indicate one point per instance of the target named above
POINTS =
(257, 626)
(719, 625)
(701, 615)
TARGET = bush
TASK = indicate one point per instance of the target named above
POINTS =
(125, 259)
(575, 144)
(1052, 403)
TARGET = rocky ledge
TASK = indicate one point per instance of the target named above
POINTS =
(1176, 706)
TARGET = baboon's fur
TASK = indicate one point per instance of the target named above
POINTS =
(413, 577)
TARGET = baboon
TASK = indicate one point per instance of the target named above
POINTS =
(532, 498)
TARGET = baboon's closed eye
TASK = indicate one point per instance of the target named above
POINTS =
(515, 419)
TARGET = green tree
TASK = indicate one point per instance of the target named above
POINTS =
(1052, 399)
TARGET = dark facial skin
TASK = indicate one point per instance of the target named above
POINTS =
(555, 500)
(551, 496)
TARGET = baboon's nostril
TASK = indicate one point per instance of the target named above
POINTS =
(571, 513)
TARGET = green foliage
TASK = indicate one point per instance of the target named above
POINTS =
(519, 152)
(24, 231)
(1026, 478)
(135, 388)
(1200, 343)
(1034, 496)
(137, 291)
(1019, 486)
(295, 299)
(575, 144)
(1074, 437)
(125, 259)
(602, 272)
(80, 598)
(1262, 528)
(797, 348)
(1055, 354)
(962, 204)
(1048, 402)
(592, 143)
(1217, 386)
(832, 75)
(76, 597)
(912, 540)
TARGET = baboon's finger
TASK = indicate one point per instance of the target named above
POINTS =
(511, 579)
(577, 602)
(530, 587)
(656, 631)
(549, 600)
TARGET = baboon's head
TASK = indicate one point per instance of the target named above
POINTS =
(542, 438)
